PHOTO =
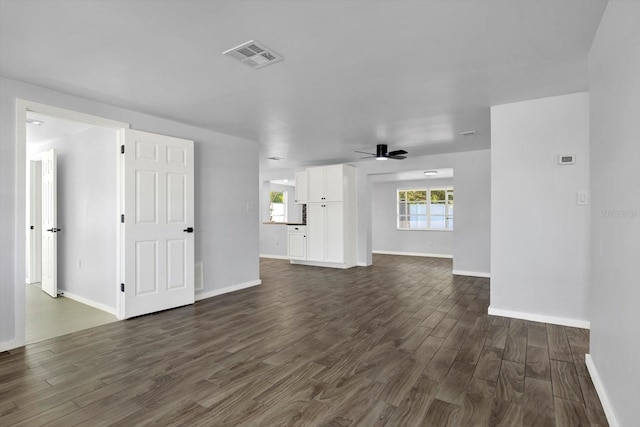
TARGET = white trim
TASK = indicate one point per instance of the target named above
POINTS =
(22, 106)
(471, 273)
(413, 254)
(543, 318)
(7, 345)
(89, 302)
(274, 256)
(228, 289)
(602, 393)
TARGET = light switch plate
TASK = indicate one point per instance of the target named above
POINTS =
(582, 198)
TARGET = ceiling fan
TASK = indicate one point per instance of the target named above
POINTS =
(383, 154)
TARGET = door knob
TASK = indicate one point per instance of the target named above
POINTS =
(188, 230)
(53, 230)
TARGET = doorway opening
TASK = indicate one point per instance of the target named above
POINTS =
(71, 242)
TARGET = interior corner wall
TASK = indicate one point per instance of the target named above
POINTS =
(539, 234)
(385, 234)
(87, 214)
(472, 223)
(614, 67)
(227, 239)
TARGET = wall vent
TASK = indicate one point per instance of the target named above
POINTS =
(254, 54)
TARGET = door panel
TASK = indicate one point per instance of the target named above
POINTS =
(333, 182)
(315, 232)
(159, 207)
(49, 224)
(334, 236)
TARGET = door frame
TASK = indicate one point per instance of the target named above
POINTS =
(22, 106)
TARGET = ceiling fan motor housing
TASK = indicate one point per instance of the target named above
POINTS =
(381, 150)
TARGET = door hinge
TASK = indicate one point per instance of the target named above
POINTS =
(122, 218)
(122, 149)
(121, 287)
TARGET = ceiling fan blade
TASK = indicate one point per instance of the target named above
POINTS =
(368, 157)
(396, 152)
(364, 152)
(396, 157)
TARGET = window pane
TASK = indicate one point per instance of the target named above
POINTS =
(437, 195)
(449, 223)
(417, 195)
(402, 196)
(450, 196)
(438, 222)
(402, 222)
(437, 209)
(418, 221)
(402, 209)
(417, 209)
(276, 196)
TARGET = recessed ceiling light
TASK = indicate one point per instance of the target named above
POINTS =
(469, 133)
(35, 122)
(430, 173)
(276, 158)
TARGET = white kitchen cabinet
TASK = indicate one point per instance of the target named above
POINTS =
(331, 224)
(326, 183)
(301, 187)
(297, 242)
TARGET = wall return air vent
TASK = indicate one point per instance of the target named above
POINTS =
(254, 54)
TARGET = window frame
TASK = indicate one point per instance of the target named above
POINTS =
(284, 204)
(448, 214)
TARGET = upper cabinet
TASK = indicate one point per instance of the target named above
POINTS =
(326, 183)
(302, 188)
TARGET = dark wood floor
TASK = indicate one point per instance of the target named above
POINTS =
(400, 343)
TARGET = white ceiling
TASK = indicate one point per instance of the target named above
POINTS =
(51, 128)
(413, 74)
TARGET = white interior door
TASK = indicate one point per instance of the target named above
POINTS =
(49, 224)
(158, 238)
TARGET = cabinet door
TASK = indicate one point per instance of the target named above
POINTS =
(301, 187)
(334, 232)
(315, 232)
(333, 183)
(315, 184)
(297, 246)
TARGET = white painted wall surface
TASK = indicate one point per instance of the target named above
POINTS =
(471, 238)
(614, 70)
(227, 240)
(385, 234)
(87, 214)
(539, 235)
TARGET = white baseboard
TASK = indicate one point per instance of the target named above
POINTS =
(543, 318)
(216, 292)
(274, 256)
(471, 273)
(413, 254)
(7, 345)
(602, 393)
(90, 303)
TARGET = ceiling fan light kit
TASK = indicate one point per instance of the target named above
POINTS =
(383, 154)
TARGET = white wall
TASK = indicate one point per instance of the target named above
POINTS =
(385, 234)
(227, 238)
(87, 214)
(539, 235)
(471, 238)
(614, 70)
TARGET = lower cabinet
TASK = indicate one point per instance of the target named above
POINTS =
(325, 232)
(297, 242)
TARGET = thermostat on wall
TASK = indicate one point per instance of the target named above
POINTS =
(566, 159)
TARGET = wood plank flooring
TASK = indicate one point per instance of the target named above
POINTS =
(400, 343)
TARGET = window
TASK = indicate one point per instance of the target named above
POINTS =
(278, 206)
(425, 209)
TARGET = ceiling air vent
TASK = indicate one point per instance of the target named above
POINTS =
(253, 54)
